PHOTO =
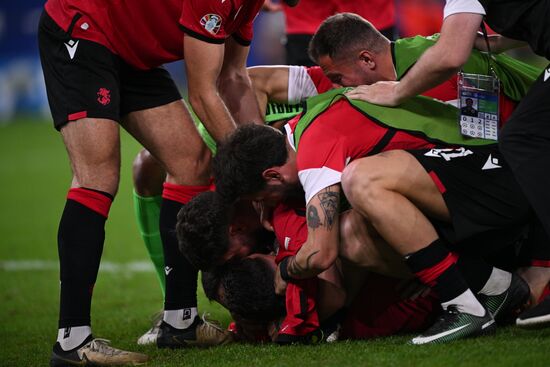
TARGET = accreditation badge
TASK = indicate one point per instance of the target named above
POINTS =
(478, 103)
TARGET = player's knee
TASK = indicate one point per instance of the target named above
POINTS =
(361, 182)
(101, 177)
(148, 175)
(192, 167)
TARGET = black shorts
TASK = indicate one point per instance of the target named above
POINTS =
(85, 79)
(479, 189)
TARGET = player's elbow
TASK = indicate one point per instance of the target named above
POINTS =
(232, 78)
(453, 62)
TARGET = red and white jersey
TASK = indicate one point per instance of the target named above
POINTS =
(339, 135)
(149, 33)
(304, 82)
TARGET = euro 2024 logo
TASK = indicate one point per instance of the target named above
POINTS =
(211, 22)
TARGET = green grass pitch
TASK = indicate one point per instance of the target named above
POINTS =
(34, 177)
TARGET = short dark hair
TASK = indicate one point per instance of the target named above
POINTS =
(248, 289)
(203, 230)
(343, 33)
(243, 156)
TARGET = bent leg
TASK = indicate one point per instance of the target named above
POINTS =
(391, 190)
(148, 177)
(169, 133)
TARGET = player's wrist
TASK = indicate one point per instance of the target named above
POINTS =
(283, 269)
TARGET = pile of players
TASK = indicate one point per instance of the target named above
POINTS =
(335, 216)
(351, 190)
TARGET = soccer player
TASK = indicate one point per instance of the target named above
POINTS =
(278, 89)
(352, 52)
(318, 149)
(525, 140)
(379, 309)
(102, 67)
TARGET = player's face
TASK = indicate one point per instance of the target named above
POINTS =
(249, 233)
(349, 72)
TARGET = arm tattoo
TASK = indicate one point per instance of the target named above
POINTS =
(313, 219)
(329, 204)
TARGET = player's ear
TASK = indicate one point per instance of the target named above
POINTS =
(367, 59)
(272, 176)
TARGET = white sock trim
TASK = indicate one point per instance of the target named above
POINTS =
(466, 302)
(180, 319)
(499, 281)
(71, 337)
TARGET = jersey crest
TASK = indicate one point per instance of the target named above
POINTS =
(212, 23)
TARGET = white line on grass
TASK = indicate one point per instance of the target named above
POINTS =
(106, 266)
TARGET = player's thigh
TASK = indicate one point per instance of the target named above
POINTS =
(158, 118)
(400, 172)
(361, 245)
(93, 146)
(169, 133)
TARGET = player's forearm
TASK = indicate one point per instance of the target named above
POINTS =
(441, 61)
(432, 69)
(497, 43)
(213, 113)
(240, 99)
(311, 260)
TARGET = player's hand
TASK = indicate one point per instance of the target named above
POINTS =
(271, 6)
(380, 93)
(266, 214)
(280, 284)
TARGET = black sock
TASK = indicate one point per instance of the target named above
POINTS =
(475, 270)
(80, 244)
(435, 266)
(181, 276)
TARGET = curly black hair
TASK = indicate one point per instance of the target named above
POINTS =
(247, 288)
(242, 158)
(203, 230)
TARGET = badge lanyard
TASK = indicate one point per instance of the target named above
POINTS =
(478, 101)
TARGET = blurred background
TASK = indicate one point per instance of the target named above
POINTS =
(22, 92)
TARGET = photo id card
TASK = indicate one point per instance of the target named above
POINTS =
(478, 104)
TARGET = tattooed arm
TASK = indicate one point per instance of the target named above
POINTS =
(321, 248)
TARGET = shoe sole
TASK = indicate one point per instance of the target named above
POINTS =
(486, 329)
(534, 322)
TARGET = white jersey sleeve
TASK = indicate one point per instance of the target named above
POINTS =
(300, 85)
(462, 6)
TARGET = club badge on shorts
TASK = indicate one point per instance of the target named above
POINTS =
(212, 23)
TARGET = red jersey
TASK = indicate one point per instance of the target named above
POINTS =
(289, 225)
(328, 145)
(149, 33)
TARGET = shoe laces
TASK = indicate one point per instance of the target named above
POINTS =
(103, 346)
(209, 323)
